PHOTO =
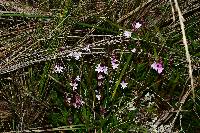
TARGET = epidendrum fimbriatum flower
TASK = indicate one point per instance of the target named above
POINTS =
(98, 68)
(157, 66)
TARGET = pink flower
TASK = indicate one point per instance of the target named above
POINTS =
(115, 66)
(100, 76)
(58, 69)
(76, 55)
(78, 78)
(74, 85)
(138, 25)
(98, 68)
(123, 84)
(114, 62)
(158, 67)
(103, 69)
(127, 34)
(74, 100)
(98, 95)
(77, 102)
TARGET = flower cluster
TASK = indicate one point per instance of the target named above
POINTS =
(76, 55)
(114, 62)
(135, 27)
(148, 97)
(74, 83)
(101, 69)
(75, 100)
(98, 95)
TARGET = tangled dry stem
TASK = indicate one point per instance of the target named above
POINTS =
(185, 96)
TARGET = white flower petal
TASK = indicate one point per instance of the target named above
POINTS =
(100, 77)
(58, 69)
(78, 78)
(115, 66)
(98, 97)
(133, 50)
(123, 84)
(138, 25)
(127, 34)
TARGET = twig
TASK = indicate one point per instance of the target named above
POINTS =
(56, 80)
(172, 10)
(183, 99)
(181, 19)
(62, 128)
(131, 13)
